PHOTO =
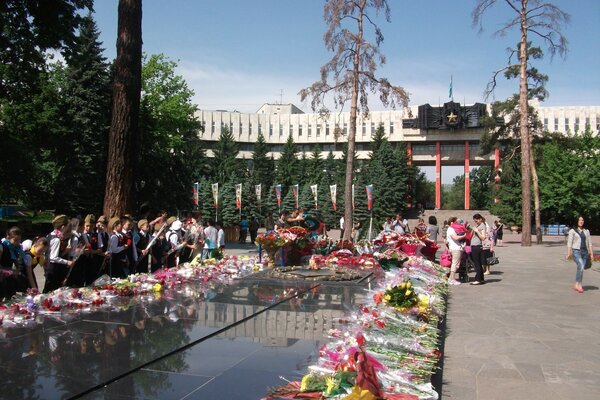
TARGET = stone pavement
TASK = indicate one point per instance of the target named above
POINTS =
(526, 334)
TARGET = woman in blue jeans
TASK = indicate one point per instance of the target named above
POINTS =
(579, 245)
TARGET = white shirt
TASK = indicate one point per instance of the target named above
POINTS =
(452, 244)
(397, 227)
(211, 237)
(342, 223)
(221, 237)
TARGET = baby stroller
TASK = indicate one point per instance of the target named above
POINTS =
(466, 266)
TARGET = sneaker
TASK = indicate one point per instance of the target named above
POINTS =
(453, 282)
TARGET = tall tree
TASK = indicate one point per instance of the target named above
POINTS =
(288, 165)
(545, 21)
(225, 152)
(123, 146)
(509, 112)
(86, 99)
(353, 68)
(171, 155)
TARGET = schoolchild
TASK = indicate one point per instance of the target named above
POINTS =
(117, 248)
(34, 256)
(58, 263)
(174, 237)
(142, 246)
(131, 251)
(12, 278)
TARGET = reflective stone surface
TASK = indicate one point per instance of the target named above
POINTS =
(239, 340)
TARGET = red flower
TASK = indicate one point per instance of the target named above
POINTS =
(378, 297)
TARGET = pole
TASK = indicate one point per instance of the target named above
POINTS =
(370, 225)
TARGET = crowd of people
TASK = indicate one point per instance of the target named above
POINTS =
(77, 252)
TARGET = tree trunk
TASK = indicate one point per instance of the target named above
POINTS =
(536, 196)
(123, 148)
(524, 131)
(348, 211)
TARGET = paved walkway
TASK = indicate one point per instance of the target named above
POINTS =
(526, 334)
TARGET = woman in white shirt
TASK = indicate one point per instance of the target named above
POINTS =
(456, 250)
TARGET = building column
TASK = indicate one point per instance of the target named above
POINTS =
(438, 176)
(497, 176)
(410, 182)
(467, 178)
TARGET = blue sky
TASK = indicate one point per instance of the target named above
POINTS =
(239, 54)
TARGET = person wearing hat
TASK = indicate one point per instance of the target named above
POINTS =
(174, 237)
(58, 264)
(102, 234)
(117, 249)
(142, 246)
(159, 248)
(128, 234)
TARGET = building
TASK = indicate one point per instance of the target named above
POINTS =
(448, 141)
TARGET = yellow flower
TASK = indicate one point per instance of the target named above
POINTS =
(156, 288)
(403, 285)
(408, 285)
(387, 297)
(408, 293)
(304, 383)
(332, 384)
(360, 394)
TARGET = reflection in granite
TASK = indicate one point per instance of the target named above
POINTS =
(67, 354)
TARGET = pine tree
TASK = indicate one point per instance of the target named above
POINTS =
(229, 215)
(225, 154)
(86, 94)
(287, 165)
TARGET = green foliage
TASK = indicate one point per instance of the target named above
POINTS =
(482, 179)
(225, 154)
(509, 192)
(569, 171)
(288, 165)
(229, 215)
(85, 93)
(171, 152)
(454, 196)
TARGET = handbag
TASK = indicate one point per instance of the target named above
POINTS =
(588, 264)
(446, 259)
(493, 260)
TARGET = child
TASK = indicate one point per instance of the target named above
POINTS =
(58, 265)
(117, 248)
(142, 244)
(12, 278)
(34, 256)
(131, 252)
(220, 237)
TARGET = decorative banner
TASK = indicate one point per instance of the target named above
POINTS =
(333, 191)
(238, 196)
(295, 191)
(196, 195)
(352, 197)
(314, 189)
(258, 190)
(215, 192)
(369, 189)
(278, 194)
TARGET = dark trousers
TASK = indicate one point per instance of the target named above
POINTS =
(477, 257)
(253, 235)
(243, 234)
(55, 276)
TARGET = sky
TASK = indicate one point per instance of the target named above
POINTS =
(240, 54)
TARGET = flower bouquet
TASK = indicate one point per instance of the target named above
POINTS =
(410, 243)
(272, 242)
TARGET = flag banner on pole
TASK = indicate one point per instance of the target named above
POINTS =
(295, 191)
(196, 195)
(369, 189)
(315, 194)
(278, 194)
(333, 192)
(238, 196)
(215, 192)
(258, 191)
(450, 94)
(352, 196)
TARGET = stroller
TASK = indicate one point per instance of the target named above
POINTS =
(466, 265)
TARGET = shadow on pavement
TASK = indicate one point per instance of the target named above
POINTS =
(590, 287)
